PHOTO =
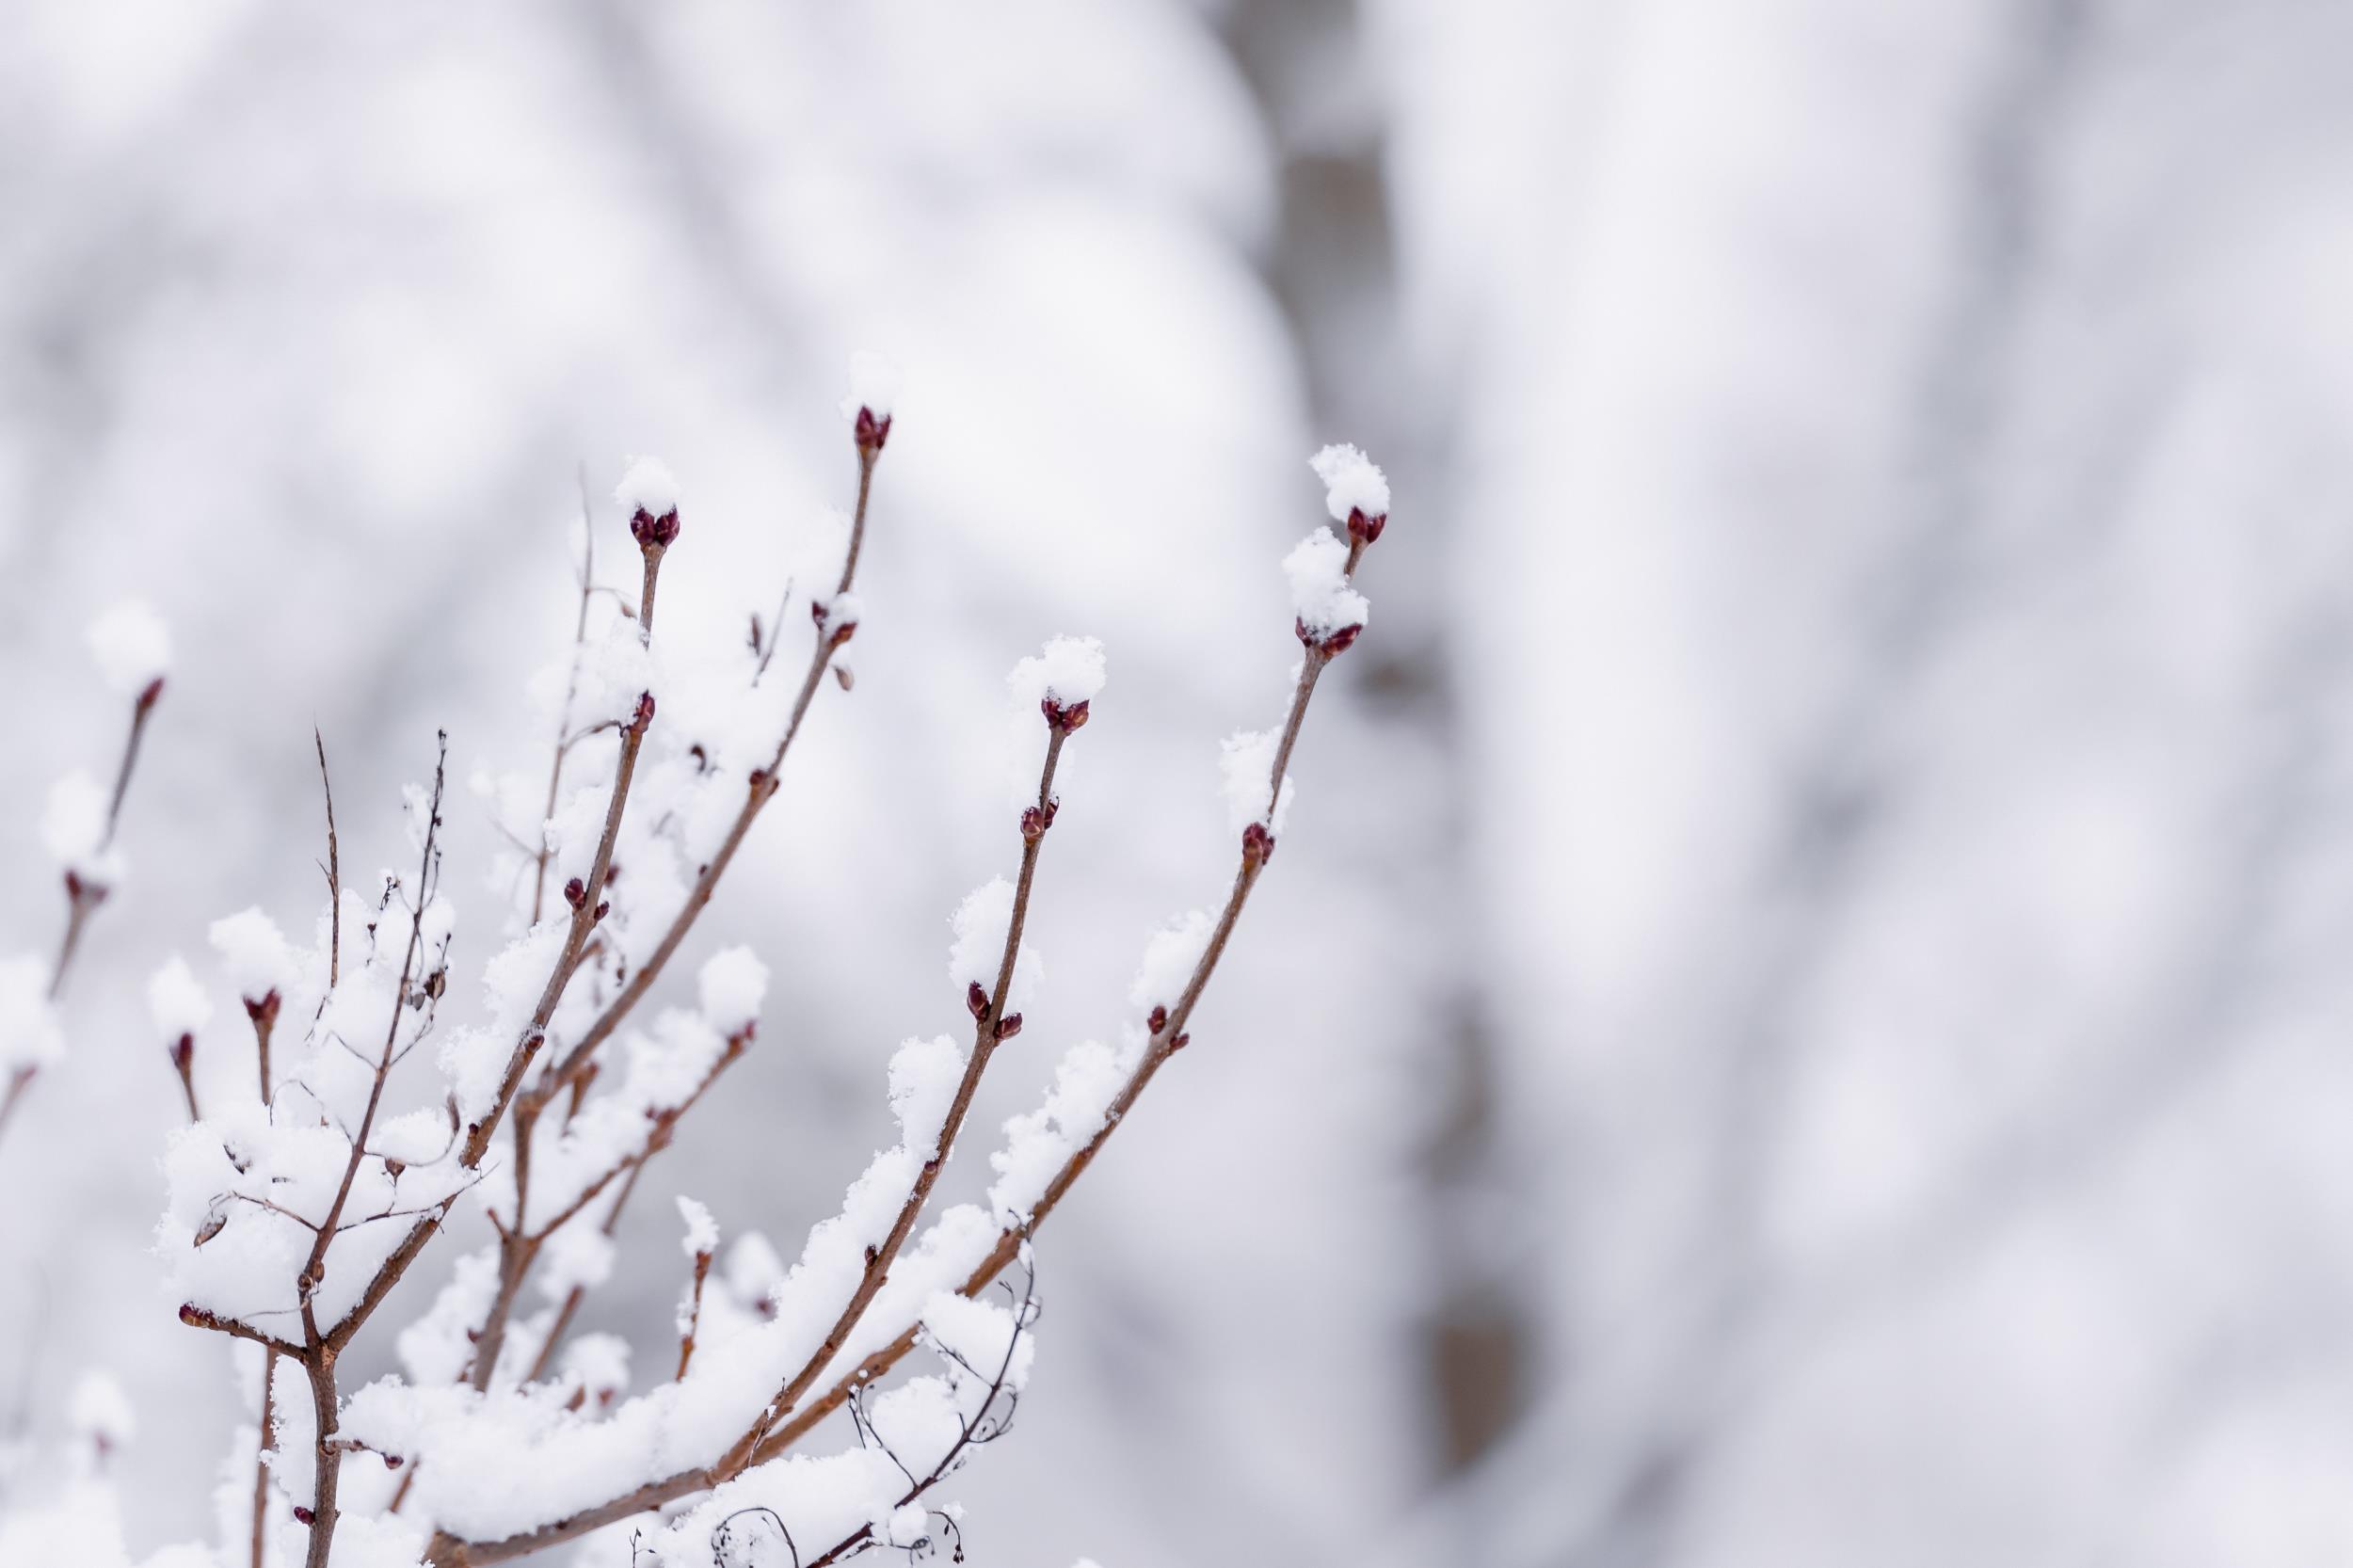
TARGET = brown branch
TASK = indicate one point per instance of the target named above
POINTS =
(572, 689)
(260, 1461)
(334, 895)
(694, 1315)
(991, 1026)
(318, 1352)
(760, 790)
(585, 912)
(519, 1245)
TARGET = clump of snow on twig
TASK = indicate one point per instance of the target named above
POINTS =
(132, 645)
(1247, 767)
(1352, 482)
(1321, 597)
(647, 485)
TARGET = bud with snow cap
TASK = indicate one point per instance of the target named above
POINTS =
(874, 391)
(837, 617)
(1355, 491)
(1329, 613)
(134, 651)
(650, 490)
(1062, 679)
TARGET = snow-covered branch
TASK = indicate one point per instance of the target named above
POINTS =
(300, 1197)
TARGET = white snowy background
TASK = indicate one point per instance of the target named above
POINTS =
(1803, 1015)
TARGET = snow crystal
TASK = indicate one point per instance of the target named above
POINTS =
(647, 485)
(1352, 482)
(1321, 597)
(733, 983)
(924, 1074)
(132, 645)
(1170, 956)
(1068, 672)
(176, 1001)
(702, 1231)
(30, 1034)
(981, 922)
(255, 953)
(75, 827)
(1247, 765)
(874, 385)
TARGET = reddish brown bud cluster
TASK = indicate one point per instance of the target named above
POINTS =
(82, 892)
(151, 695)
(654, 533)
(976, 1000)
(1330, 647)
(575, 893)
(1035, 821)
(1008, 1026)
(1365, 530)
(645, 711)
(819, 611)
(871, 432)
(182, 1052)
(264, 1011)
(1062, 718)
(1158, 1020)
(1258, 844)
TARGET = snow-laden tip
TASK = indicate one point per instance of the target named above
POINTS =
(1352, 482)
(176, 1001)
(132, 645)
(1067, 671)
(647, 485)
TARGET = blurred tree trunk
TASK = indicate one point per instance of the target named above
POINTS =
(1331, 265)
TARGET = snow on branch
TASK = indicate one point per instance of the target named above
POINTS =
(300, 1196)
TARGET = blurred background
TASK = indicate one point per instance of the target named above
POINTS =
(1799, 1019)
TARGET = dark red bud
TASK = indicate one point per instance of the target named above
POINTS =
(182, 1050)
(871, 432)
(264, 1011)
(1157, 1022)
(575, 893)
(645, 708)
(1258, 844)
(1363, 529)
(1062, 718)
(977, 1000)
(1180, 1043)
(1340, 641)
(154, 690)
(605, 907)
(1033, 824)
(653, 532)
(1008, 1026)
(303, 1515)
